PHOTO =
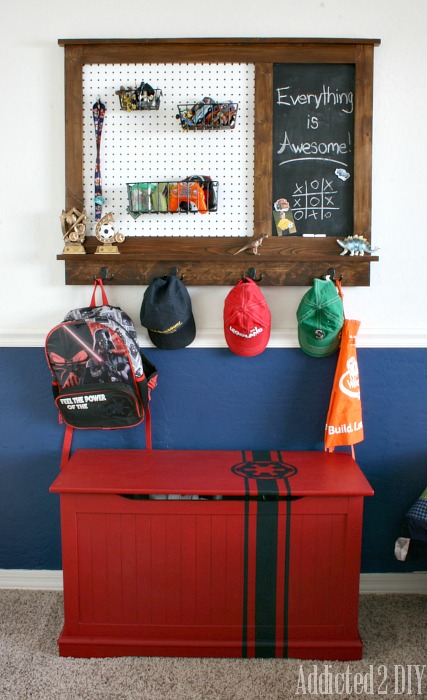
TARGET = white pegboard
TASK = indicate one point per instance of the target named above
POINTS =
(151, 145)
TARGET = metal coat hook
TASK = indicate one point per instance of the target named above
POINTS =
(331, 275)
(252, 274)
(174, 271)
(103, 274)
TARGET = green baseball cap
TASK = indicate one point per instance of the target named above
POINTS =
(320, 319)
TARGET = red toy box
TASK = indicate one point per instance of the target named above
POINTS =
(211, 553)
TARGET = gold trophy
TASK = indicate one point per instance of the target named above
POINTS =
(73, 223)
(104, 231)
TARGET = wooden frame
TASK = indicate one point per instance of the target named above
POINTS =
(210, 260)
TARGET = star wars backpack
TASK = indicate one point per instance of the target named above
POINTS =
(100, 378)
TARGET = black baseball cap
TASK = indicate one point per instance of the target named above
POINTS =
(167, 314)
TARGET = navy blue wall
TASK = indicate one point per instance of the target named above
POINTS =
(210, 398)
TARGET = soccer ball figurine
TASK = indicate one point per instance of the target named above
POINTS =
(105, 233)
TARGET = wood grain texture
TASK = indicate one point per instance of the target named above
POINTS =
(210, 260)
(263, 145)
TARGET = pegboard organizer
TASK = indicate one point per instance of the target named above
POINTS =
(193, 196)
(155, 148)
(150, 146)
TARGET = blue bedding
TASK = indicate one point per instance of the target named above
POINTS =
(414, 527)
(415, 521)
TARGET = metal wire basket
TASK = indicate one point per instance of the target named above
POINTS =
(207, 115)
(139, 99)
(196, 194)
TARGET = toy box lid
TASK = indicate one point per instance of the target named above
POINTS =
(235, 473)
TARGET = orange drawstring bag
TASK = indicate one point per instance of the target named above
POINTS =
(344, 424)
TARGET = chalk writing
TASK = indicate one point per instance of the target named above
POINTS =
(313, 148)
(313, 160)
(326, 97)
(313, 200)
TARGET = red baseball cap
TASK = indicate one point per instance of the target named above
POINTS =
(247, 319)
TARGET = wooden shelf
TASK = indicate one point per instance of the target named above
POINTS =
(212, 261)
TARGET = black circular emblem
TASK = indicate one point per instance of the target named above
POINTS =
(264, 470)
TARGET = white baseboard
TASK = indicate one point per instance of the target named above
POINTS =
(415, 582)
(31, 579)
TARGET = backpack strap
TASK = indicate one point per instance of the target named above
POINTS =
(99, 283)
(144, 387)
(69, 432)
(148, 443)
(66, 445)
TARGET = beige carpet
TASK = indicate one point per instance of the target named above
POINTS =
(393, 628)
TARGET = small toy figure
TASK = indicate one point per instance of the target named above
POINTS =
(104, 231)
(356, 245)
(228, 114)
(187, 117)
(73, 224)
(222, 115)
(253, 246)
(125, 98)
(202, 109)
(144, 96)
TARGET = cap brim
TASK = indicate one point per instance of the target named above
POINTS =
(322, 348)
(177, 340)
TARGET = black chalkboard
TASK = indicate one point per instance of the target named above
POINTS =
(313, 154)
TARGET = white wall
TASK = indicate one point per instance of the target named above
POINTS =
(33, 295)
